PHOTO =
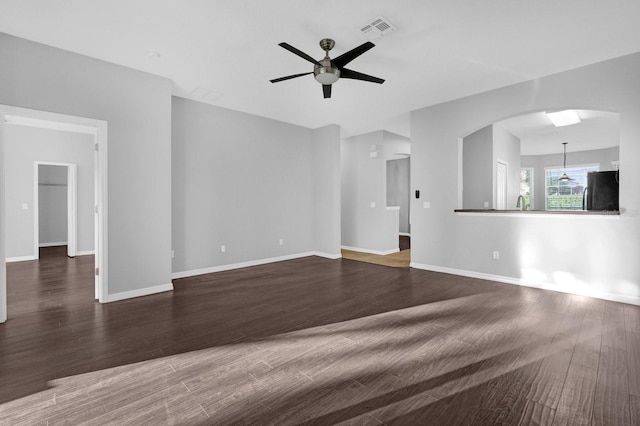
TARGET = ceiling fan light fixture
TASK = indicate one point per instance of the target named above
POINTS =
(564, 177)
(327, 71)
(564, 118)
(326, 75)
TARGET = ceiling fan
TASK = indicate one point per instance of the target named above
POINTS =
(327, 71)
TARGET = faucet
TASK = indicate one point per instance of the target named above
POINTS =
(521, 206)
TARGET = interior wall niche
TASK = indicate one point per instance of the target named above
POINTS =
(531, 141)
(52, 205)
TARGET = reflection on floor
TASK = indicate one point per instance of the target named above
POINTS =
(401, 259)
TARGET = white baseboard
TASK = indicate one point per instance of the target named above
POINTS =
(62, 243)
(140, 292)
(85, 252)
(20, 258)
(231, 266)
(632, 300)
(327, 255)
(379, 252)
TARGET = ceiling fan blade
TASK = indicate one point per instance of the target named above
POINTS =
(345, 58)
(326, 90)
(346, 73)
(300, 53)
(290, 77)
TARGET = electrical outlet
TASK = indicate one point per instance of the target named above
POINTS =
(223, 249)
(173, 254)
(281, 241)
(496, 255)
(372, 204)
(486, 204)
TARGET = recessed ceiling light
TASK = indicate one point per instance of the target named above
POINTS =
(564, 118)
(153, 54)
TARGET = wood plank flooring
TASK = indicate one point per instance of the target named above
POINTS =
(313, 341)
(401, 259)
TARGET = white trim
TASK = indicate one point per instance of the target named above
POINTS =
(231, 266)
(3, 263)
(378, 252)
(61, 243)
(526, 283)
(85, 252)
(327, 255)
(20, 258)
(64, 126)
(72, 209)
(404, 234)
(139, 293)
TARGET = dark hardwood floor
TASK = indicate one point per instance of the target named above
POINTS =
(404, 242)
(313, 341)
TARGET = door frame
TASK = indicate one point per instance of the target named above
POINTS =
(72, 206)
(97, 128)
(502, 187)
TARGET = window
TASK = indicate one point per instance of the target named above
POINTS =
(526, 187)
(566, 195)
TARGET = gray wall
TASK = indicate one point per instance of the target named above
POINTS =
(603, 157)
(137, 107)
(477, 161)
(23, 146)
(326, 191)
(246, 182)
(596, 255)
(52, 205)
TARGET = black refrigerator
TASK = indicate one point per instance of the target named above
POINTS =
(602, 190)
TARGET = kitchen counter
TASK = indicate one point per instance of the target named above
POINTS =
(543, 212)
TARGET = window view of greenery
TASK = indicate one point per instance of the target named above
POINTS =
(526, 187)
(566, 195)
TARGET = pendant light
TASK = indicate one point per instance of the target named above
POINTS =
(564, 177)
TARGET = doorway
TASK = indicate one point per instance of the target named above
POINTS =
(55, 206)
(97, 129)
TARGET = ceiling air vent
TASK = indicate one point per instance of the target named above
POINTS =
(377, 28)
(205, 94)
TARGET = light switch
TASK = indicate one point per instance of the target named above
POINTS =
(373, 154)
(373, 204)
(25, 206)
(426, 204)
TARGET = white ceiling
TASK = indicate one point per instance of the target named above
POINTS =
(225, 52)
(538, 136)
